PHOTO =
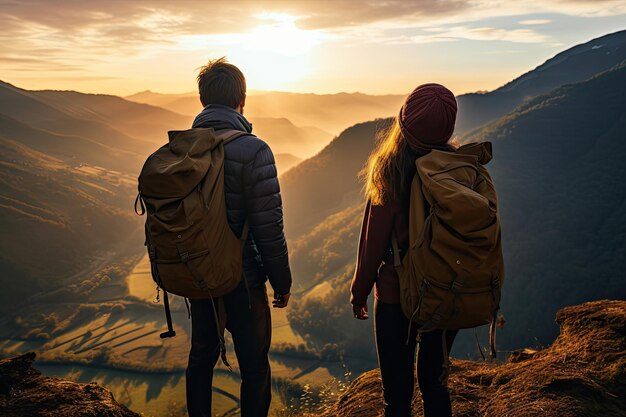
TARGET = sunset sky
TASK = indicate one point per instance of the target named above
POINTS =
(377, 47)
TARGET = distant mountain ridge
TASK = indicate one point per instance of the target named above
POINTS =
(286, 138)
(322, 185)
(271, 125)
(86, 122)
(286, 161)
(570, 66)
(145, 122)
(330, 112)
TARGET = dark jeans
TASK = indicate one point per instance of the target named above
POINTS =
(396, 360)
(252, 331)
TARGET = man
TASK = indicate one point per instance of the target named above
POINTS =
(252, 193)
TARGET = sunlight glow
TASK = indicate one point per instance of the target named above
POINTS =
(282, 36)
(274, 55)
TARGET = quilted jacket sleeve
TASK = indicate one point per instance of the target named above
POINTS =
(265, 216)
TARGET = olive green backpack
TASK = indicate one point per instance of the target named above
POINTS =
(452, 274)
(193, 252)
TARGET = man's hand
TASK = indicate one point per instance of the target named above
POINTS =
(281, 301)
(360, 312)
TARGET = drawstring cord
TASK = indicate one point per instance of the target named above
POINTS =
(416, 311)
(188, 309)
(220, 336)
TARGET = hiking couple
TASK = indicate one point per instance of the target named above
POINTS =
(212, 198)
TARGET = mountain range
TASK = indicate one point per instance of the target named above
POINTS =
(570, 66)
(330, 112)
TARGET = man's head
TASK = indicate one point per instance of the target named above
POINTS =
(222, 83)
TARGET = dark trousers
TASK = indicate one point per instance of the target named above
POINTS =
(396, 359)
(252, 331)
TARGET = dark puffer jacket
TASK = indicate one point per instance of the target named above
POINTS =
(252, 191)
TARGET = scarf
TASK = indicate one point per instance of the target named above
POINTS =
(220, 117)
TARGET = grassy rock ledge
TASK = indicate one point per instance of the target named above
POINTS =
(583, 373)
(25, 392)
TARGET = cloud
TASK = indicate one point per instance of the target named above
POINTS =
(590, 8)
(350, 13)
(18, 63)
(75, 35)
(533, 22)
(132, 27)
(405, 13)
(455, 33)
(495, 34)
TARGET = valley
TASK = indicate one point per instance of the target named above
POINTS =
(110, 334)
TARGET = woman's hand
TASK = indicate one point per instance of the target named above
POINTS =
(360, 312)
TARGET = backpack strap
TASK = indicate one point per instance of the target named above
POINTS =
(445, 367)
(168, 317)
(228, 135)
(493, 352)
(395, 248)
(201, 283)
(155, 275)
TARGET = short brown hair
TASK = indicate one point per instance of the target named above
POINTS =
(220, 82)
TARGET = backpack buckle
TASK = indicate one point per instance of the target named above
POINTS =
(201, 285)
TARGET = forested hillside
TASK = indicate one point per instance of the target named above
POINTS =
(558, 161)
(68, 180)
(328, 183)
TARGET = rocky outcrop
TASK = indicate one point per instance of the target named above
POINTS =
(583, 373)
(25, 392)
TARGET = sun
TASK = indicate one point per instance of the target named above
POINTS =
(282, 36)
(275, 54)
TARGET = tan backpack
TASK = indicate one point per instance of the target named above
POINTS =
(452, 274)
(193, 252)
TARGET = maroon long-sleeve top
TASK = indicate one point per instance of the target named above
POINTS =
(374, 265)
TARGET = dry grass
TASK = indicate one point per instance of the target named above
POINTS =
(582, 374)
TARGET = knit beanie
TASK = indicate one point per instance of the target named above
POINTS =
(427, 117)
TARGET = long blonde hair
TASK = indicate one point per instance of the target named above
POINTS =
(390, 167)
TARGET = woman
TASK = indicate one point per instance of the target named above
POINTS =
(426, 122)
